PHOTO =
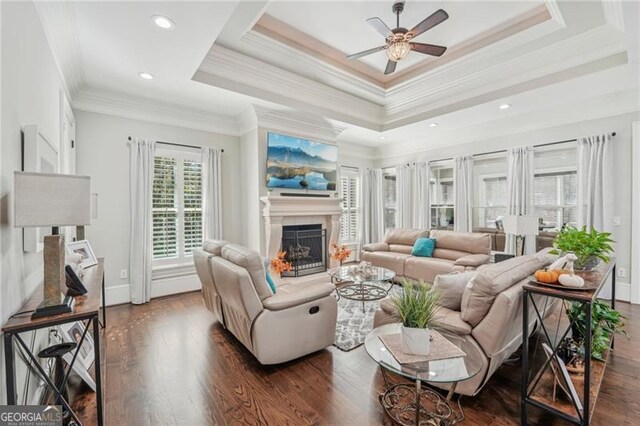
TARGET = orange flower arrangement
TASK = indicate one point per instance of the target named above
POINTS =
(340, 253)
(279, 265)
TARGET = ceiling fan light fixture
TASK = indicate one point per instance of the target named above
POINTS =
(398, 50)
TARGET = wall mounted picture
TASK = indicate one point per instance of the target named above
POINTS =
(83, 248)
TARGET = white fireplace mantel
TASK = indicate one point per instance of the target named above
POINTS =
(281, 211)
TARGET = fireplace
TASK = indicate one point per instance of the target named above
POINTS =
(306, 247)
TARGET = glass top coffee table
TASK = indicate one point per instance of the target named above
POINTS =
(400, 401)
(362, 284)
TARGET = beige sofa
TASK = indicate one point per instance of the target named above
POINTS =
(454, 252)
(297, 320)
(490, 314)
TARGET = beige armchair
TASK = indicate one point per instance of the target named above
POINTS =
(300, 318)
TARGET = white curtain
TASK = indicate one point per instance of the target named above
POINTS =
(404, 195)
(463, 184)
(595, 187)
(212, 193)
(372, 208)
(141, 163)
(421, 210)
(520, 192)
(412, 189)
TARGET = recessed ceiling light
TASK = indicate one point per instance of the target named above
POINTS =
(505, 106)
(163, 22)
(383, 137)
(433, 125)
(146, 75)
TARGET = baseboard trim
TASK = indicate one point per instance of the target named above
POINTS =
(623, 291)
(117, 295)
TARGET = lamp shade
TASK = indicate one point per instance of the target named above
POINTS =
(48, 200)
(521, 225)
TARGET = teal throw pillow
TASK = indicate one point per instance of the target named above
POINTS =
(272, 285)
(424, 247)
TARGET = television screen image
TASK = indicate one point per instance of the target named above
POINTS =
(295, 163)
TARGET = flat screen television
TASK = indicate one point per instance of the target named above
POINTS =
(295, 163)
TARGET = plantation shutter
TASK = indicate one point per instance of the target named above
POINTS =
(349, 220)
(192, 184)
(165, 208)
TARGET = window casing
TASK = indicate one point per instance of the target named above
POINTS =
(389, 195)
(441, 195)
(350, 192)
(177, 206)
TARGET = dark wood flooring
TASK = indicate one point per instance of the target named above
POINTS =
(170, 362)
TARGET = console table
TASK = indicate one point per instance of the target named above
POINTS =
(85, 308)
(576, 412)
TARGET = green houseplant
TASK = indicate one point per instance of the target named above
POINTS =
(416, 307)
(605, 322)
(588, 246)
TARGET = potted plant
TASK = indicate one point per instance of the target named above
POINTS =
(416, 307)
(589, 246)
(605, 322)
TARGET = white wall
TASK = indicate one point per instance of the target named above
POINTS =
(103, 154)
(621, 124)
(31, 89)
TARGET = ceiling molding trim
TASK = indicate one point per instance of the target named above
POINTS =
(588, 47)
(300, 123)
(613, 14)
(353, 150)
(235, 71)
(58, 21)
(311, 66)
(554, 11)
(126, 106)
(248, 120)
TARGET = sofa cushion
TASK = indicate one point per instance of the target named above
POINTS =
(451, 287)
(214, 246)
(444, 318)
(448, 253)
(480, 292)
(467, 242)
(400, 248)
(426, 268)
(423, 247)
(253, 263)
(387, 259)
(406, 236)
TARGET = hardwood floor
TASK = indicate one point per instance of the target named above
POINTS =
(170, 362)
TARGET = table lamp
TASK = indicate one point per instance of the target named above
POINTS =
(52, 200)
(520, 226)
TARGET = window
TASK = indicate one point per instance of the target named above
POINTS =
(555, 196)
(350, 189)
(389, 197)
(490, 190)
(441, 195)
(177, 206)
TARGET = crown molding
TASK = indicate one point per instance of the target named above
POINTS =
(126, 106)
(297, 123)
(353, 150)
(58, 21)
(613, 14)
(235, 71)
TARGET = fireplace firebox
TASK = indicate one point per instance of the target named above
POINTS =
(306, 247)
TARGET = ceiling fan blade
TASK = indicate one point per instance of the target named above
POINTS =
(434, 19)
(428, 49)
(366, 52)
(380, 26)
(391, 67)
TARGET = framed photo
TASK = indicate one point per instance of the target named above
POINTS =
(83, 248)
(562, 377)
(72, 332)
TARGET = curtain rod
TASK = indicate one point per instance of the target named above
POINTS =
(504, 150)
(178, 144)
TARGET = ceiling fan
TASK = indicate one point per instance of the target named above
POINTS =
(398, 41)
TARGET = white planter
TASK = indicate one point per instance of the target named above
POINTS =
(415, 340)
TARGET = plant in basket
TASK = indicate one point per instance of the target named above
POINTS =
(279, 263)
(340, 253)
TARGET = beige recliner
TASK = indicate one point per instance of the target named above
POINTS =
(490, 314)
(300, 318)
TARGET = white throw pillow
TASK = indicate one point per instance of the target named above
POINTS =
(451, 288)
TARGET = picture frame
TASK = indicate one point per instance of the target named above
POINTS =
(83, 248)
(562, 376)
(72, 332)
